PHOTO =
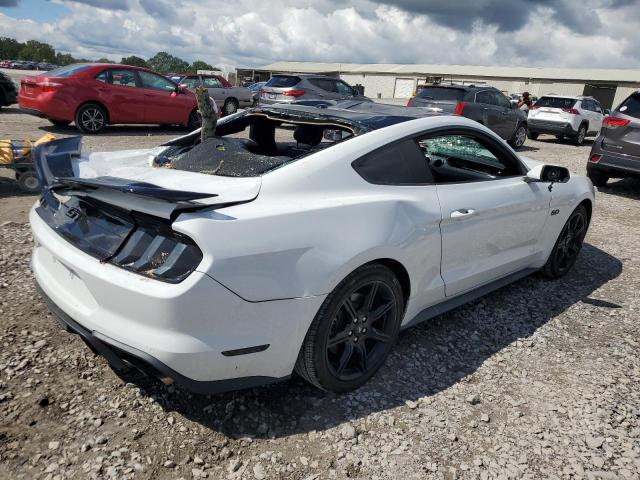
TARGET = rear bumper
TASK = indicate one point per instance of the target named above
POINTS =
(46, 105)
(267, 101)
(553, 128)
(196, 332)
(613, 164)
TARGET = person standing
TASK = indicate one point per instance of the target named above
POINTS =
(525, 102)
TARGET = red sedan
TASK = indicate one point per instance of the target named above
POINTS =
(95, 95)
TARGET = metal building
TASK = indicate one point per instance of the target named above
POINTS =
(609, 86)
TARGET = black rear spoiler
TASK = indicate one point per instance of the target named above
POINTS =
(53, 165)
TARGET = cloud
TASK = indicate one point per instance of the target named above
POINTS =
(8, 3)
(104, 4)
(600, 34)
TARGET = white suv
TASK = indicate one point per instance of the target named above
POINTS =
(572, 117)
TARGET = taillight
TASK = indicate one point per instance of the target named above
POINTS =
(409, 101)
(48, 86)
(293, 93)
(459, 108)
(614, 122)
(595, 157)
(571, 111)
(160, 254)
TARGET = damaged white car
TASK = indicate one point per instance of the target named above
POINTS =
(307, 247)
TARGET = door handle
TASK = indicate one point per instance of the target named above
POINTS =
(463, 213)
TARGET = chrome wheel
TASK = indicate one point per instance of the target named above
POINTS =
(92, 119)
(520, 136)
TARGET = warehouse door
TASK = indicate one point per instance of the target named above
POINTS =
(404, 88)
(603, 92)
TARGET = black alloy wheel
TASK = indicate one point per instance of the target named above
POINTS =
(568, 246)
(354, 330)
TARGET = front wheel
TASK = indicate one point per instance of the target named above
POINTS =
(568, 246)
(91, 118)
(230, 106)
(354, 330)
(519, 137)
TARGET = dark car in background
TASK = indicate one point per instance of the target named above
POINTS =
(616, 151)
(293, 88)
(484, 104)
(8, 91)
(95, 95)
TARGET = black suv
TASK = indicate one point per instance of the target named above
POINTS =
(616, 151)
(486, 105)
(8, 91)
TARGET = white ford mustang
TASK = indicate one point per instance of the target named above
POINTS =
(230, 263)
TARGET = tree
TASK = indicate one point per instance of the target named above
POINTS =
(37, 52)
(164, 63)
(200, 65)
(104, 60)
(134, 61)
(63, 59)
(9, 48)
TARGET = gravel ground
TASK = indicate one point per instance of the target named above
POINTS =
(537, 380)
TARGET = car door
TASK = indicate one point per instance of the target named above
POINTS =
(215, 89)
(163, 104)
(491, 115)
(510, 116)
(598, 116)
(492, 220)
(118, 89)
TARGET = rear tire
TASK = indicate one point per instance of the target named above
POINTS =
(230, 106)
(599, 179)
(519, 137)
(533, 135)
(28, 182)
(565, 251)
(579, 137)
(91, 118)
(354, 330)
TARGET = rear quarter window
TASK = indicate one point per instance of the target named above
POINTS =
(67, 71)
(441, 93)
(631, 106)
(282, 81)
(400, 163)
(556, 102)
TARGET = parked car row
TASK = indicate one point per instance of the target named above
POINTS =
(227, 97)
(26, 65)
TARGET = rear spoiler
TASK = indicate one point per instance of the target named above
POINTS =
(53, 163)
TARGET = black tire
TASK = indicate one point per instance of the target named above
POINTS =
(28, 182)
(361, 317)
(579, 137)
(533, 135)
(60, 123)
(230, 106)
(567, 248)
(195, 120)
(519, 137)
(91, 118)
(598, 178)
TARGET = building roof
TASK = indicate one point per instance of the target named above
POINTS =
(580, 74)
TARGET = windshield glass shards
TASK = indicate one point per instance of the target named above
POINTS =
(266, 145)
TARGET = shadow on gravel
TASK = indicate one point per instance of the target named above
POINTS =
(120, 130)
(567, 141)
(10, 111)
(527, 148)
(428, 358)
(627, 187)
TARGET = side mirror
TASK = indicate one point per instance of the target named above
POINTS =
(548, 174)
(182, 88)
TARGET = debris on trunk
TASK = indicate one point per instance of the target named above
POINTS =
(208, 113)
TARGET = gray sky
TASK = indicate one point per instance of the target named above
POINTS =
(563, 33)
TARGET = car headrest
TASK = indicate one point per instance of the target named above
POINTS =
(308, 134)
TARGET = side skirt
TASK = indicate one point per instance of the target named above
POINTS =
(455, 302)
